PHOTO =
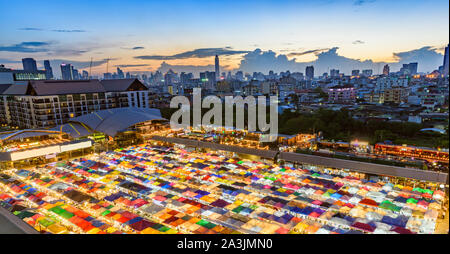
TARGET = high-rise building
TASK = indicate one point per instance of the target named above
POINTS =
(412, 68)
(367, 73)
(240, 75)
(355, 72)
(217, 69)
(85, 75)
(386, 70)
(48, 70)
(107, 75)
(229, 77)
(445, 65)
(309, 72)
(29, 64)
(334, 73)
(75, 74)
(409, 69)
(66, 71)
(120, 74)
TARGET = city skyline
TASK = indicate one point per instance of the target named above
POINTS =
(244, 35)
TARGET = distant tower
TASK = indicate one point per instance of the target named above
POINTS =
(445, 71)
(48, 70)
(309, 72)
(29, 64)
(386, 70)
(217, 70)
(67, 71)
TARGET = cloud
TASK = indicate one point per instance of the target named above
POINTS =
(196, 53)
(315, 51)
(30, 29)
(131, 65)
(52, 30)
(67, 52)
(264, 61)
(427, 57)
(358, 42)
(362, 2)
(135, 48)
(27, 47)
(68, 31)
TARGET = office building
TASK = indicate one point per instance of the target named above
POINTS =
(48, 70)
(386, 70)
(66, 71)
(29, 64)
(120, 73)
(75, 74)
(334, 73)
(445, 65)
(309, 72)
(85, 75)
(217, 67)
(10, 76)
(107, 75)
(355, 72)
(409, 69)
(367, 73)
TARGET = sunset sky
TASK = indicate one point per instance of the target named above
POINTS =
(139, 35)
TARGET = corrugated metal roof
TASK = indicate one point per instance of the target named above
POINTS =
(25, 134)
(112, 121)
(75, 130)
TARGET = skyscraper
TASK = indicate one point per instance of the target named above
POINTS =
(75, 74)
(409, 69)
(85, 75)
(309, 72)
(412, 68)
(355, 72)
(335, 73)
(29, 64)
(217, 69)
(386, 70)
(66, 71)
(48, 70)
(120, 73)
(445, 65)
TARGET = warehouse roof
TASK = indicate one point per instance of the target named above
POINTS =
(112, 121)
(58, 87)
(118, 85)
(55, 87)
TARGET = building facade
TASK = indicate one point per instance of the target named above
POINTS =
(41, 104)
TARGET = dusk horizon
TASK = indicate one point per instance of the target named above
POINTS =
(240, 33)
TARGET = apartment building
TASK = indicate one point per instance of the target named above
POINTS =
(47, 103)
